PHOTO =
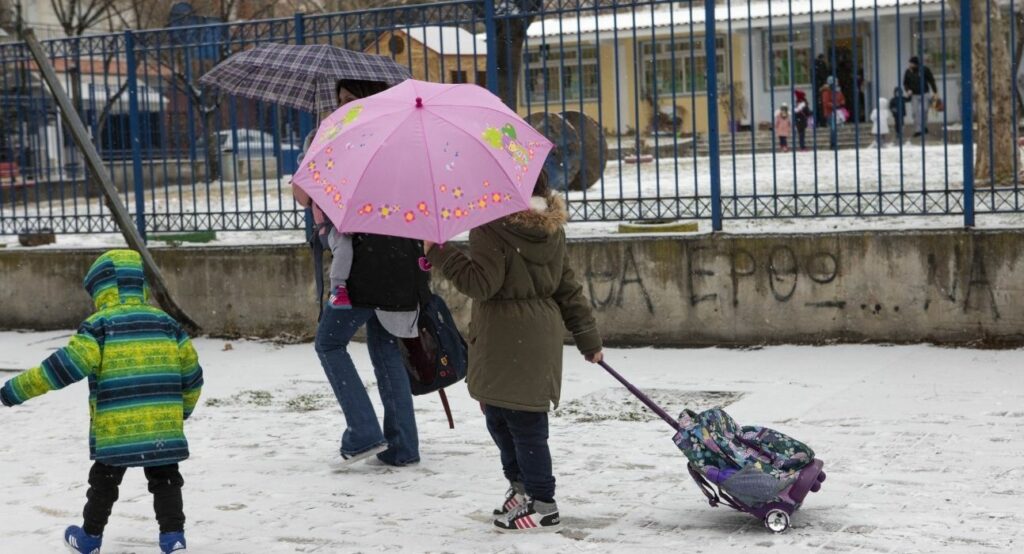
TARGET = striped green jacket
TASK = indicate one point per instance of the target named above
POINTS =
(144, 375)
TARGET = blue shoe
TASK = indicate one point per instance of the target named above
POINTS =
(77, 540)
(172, 542)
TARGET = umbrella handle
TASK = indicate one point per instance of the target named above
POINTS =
(643, 398)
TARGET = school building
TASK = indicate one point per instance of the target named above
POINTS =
(611, 65)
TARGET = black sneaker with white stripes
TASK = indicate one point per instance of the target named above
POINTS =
(531, 515)
(514, 496)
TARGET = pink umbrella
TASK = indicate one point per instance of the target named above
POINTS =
(422, 160)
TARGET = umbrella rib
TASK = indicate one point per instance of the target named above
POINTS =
(430, 167)
(488, 108)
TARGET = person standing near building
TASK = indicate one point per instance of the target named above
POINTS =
(917, 81)
(821, 75)
(832, 101)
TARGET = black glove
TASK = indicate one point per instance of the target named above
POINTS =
(3, 398)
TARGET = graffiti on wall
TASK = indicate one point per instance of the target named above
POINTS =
(724, 276)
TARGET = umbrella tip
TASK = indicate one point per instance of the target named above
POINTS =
(419, 102)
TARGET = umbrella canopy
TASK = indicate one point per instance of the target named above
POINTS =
(300, 76)
(422, 160)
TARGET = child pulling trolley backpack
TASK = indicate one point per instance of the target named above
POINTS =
(755, 470)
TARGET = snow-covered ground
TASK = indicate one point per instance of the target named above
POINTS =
(909, 168)
(922, 448)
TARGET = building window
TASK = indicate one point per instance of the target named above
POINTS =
(672, 67)
(481, 78)
(567, 74)
(457, 76)
(930, 43)
(789, 59)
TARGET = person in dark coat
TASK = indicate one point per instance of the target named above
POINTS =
(525, 294)
(917, 81)
(801, 113)
(861, 104)
(898, 108)
(383, 288)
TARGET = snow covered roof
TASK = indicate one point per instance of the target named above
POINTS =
(683, 14)
(449, 40)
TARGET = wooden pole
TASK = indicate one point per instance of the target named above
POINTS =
(101, 179)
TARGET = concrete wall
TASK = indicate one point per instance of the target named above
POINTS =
(264, 291)
(942, 286)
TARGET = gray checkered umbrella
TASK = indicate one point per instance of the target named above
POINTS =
(300, 76)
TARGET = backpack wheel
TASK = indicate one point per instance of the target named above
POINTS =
(776, 521)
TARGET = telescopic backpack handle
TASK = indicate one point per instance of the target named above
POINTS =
(643, 398)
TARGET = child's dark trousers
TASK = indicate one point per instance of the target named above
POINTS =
(522, 438)
(165, 484)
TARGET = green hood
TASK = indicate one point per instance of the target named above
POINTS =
(117, 277)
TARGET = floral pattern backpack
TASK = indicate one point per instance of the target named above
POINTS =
(754, 464)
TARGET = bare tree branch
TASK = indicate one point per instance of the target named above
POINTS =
(75, 17)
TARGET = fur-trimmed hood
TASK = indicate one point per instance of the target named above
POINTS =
(531, 231)
(547, 214)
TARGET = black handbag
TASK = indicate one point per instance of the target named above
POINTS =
(439, 356)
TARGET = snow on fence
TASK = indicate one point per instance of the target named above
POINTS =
(652, 118)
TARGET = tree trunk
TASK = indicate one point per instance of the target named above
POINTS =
(512, 19)
(1018, 52)
(8, 20)
(993, 106)
(509, 39)
(213, 153)
(104, 116)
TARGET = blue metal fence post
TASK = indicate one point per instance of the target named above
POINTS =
(491, 29)
(135, 129)
(710, 49)
(967, 110)
(305, 119)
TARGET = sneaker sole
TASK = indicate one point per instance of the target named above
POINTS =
(355, 458)
(531, 530)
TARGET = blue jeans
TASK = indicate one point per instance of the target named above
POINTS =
(364, 432)
(522, 438)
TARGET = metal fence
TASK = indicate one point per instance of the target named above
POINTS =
(659, 110)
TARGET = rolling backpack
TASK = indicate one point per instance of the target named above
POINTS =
(754, 469)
